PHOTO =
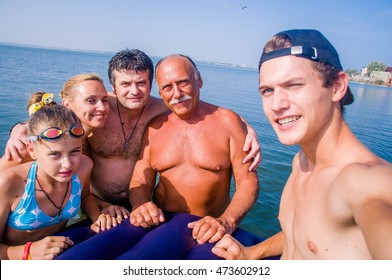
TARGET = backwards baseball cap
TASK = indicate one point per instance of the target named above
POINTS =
(310, 44)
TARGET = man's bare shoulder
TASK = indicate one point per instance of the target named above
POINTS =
(226, 116)
(373, 170)
(225, 111)
(156, 106)
(158, 121)
(231, 121)
(364, 180)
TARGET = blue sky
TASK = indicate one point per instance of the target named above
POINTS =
(210, 30)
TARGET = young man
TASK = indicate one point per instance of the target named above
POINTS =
(337, 202)
(195, 148)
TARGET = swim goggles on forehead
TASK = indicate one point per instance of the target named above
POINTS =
(53, 133)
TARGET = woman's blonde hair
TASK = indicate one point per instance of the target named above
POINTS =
(68, 92)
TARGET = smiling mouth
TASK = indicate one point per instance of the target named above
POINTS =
(65, 173)
(135, 99)
(288, 120)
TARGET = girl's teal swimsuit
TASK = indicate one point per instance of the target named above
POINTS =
(28, 215)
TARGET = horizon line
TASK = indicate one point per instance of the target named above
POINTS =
(112, 52)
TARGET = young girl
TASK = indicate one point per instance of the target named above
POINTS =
(38, 198)
(86, 96)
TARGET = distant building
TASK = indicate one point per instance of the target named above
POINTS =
(375, 77)
(364, 72)
(383, 76)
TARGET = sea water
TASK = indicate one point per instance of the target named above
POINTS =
(24, 70)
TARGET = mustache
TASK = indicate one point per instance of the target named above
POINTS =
(183, 98)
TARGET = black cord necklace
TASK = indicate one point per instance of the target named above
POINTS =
(126, 141)
(59, 209)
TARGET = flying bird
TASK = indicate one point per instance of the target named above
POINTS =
(243, 7)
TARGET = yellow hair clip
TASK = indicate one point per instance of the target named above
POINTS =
(47, 99)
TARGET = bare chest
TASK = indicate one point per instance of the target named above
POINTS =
(197, 146)
(314, 216)
(306, 198)
(116, 140)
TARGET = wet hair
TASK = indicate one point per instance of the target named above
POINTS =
(36, 97)
(69, 90)
(126, 60)
(196, 71)
(53, 116)
(329, 73)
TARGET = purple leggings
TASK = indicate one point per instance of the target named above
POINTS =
(171, 240)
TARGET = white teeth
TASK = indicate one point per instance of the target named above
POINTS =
(288, 120)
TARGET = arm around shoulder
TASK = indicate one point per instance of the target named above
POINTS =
(16, 147)
(246, 182)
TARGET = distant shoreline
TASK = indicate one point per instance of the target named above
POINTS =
(370, 84)
(53, 48)
(243, 66)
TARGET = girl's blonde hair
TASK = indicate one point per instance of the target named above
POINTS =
(53, 116)
(36, 97)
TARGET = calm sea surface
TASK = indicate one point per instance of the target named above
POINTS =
(25, 70)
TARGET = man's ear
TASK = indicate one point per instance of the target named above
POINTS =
(31, 150)
(200, 79)
(340, 87)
